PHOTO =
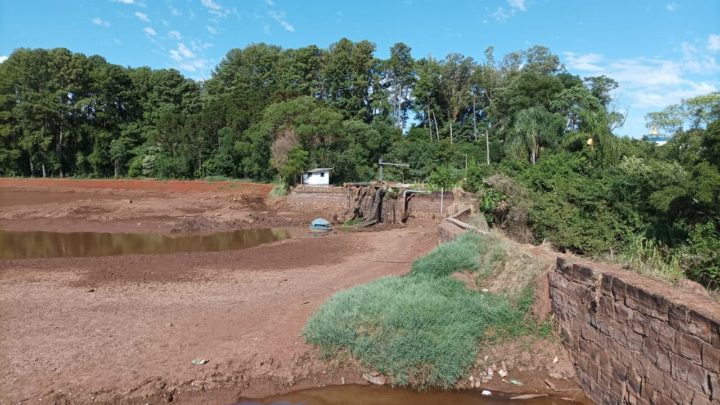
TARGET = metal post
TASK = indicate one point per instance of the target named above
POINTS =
(442, 197)
(381, 172)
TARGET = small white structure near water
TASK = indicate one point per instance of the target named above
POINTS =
(317, 177)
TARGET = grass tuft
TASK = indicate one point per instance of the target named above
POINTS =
(425, 328)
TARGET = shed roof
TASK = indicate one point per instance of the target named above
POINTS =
(320, 169)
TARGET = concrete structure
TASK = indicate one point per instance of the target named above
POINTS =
(317, 177)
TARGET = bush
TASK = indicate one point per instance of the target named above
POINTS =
(701, 256)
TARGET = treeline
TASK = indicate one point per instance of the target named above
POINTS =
(268, 112)
(534, 141)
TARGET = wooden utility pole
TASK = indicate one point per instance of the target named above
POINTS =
(474, 120)
(487, 144)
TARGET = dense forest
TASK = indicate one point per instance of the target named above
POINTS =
(534, 141)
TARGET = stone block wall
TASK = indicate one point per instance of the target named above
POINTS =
(333, 199)
(430, 203)
(338, 199)
(635, 340)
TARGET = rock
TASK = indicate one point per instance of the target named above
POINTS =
(374, 379)
(486, 393)
(528, 396)
(556, 375)
(550, 385)
(555, 360)
(471, 378)
(503, 373)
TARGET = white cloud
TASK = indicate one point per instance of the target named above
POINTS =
(100, 22)
(194, 65)
(281, 19)
(187, 60)
(270, 2)
(502, 15)
(653, 83)
(175, 12)
(124, 1)
(518, 4)
(150, 31)
(212, 30)
(587, 62)
(200, 46)
(696, 61)
(713, 43)
(175, 35)
(142, 16)
(216, 8)
(3, 58)
(211, 5)
(672, 6)
(184, 51)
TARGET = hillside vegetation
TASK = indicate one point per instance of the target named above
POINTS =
(535, 141)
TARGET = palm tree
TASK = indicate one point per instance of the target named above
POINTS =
(534, 129)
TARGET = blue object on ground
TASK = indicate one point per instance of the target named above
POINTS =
(320, 224)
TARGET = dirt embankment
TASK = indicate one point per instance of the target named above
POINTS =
(70, 205)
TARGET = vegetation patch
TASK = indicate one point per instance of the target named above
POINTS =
(425, 328)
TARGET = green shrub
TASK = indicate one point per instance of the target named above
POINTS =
(701, 256)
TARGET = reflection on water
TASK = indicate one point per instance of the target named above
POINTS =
(362, 395)
(20, 245)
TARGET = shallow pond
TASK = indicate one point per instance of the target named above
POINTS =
(362, 395)
(21, 245)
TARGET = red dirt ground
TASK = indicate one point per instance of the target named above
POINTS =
(70, 205)
(152, 185)
(125, 328)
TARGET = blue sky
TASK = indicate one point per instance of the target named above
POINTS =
(660, 51)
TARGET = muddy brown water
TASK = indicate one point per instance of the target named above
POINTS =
(23, 245)
(376, 395)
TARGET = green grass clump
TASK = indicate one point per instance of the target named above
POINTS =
(647, 257)
(418, 330)
(461, 254)
(279, 190)
(424, 328)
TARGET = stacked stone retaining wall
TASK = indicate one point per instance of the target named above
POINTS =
(635, 340)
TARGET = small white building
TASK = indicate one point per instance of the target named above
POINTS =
(317, 177)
